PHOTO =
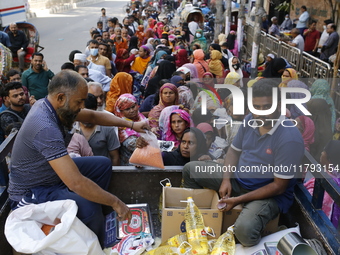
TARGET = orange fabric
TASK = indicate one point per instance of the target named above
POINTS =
(121, 45)
(199, 62)
(120, 84)
(141, 157)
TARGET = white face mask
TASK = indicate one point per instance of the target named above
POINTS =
(198, 35)
(94, 52)
(286, 18)
(324, 27)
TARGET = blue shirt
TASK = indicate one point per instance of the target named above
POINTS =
(40, 139)
(282, 148)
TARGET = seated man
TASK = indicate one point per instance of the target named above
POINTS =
(19, 43)
(41, 168)
(103, 140)
(263, 193)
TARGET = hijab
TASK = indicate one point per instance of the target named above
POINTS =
(285, 80)
(157, 57)
(273, 67)
(193, 70)
(308, 130)
(201, 65)
(175, 79)
(170, 134)
(321, 89)
(182, 58)
(294, 110)
(126, 101)
(215, 64)
(120, 84)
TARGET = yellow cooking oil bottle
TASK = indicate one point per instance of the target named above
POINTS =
(225, 244)
(197, 237)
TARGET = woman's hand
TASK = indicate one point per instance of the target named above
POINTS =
(155, 131)
(141, 143)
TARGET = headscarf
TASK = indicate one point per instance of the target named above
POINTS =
(140, 34)
(152, 21)
(321, 89)
(321, 116)
(133, 43)
(193, 70)
(123, 102)
(273, 67)
(140, 64)
(293, 76)
(175, 79)
(215, 64)
(186, 98)
(216, 46)
(308, 130)
(150, 46)
(120, 53)
(120, 84)
(164, 120)
(232, 69)
(232, 78)
(156, 111)
(159, 29)
(294, 110)
(157, 57)
(170, 135)
(186, 30)
(201, 41)
(221, 39)
(182, 58)
(201, 65)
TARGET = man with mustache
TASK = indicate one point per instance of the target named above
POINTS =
(37, 77)
(14, 94)
(42, 170)
(19, 43)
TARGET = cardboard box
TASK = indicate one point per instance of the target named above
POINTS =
(230, 217)
(174, 210)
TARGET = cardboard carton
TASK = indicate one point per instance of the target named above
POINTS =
(230, 217)
(174, 210)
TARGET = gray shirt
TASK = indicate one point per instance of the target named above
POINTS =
(330, 46)
(300, 42)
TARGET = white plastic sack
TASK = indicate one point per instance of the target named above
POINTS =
(71, 236)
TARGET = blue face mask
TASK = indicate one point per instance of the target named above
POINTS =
(198, 35)
(94, 52)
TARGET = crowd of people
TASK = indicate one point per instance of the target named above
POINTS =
(144, 70)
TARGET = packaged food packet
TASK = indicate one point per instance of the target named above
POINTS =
(149, 155)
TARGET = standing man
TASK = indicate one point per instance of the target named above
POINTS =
(274, 29)
(97, 61)
(19, 43)
(4, 39)
(257, 146)
(37, 77)
(43, 171)
(331, 45)
(303, 19)
(104, 19)
(312, 37)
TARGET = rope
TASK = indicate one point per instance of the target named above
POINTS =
(317, 246)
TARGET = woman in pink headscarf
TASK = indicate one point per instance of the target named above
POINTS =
(307, 129)
(179, 120)
(126, 107)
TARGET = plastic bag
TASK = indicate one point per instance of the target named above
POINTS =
(149, 155)
(133, 244)
(23, 230)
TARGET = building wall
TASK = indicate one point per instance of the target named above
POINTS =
(319, 10)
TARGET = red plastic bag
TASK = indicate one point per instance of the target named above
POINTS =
(150, 155)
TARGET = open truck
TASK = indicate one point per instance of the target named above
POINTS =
(12, 11)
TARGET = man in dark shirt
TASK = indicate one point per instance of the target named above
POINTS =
(19, 43)
(330, 46)
(18, 110)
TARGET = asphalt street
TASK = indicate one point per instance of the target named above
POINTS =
(63, 32)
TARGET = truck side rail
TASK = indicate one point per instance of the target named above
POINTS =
(311, 205)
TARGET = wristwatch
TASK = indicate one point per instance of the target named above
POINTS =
(22, 48)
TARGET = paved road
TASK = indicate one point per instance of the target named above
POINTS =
(61, 33)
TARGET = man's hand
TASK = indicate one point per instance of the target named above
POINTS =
(32, 100)
(20, 50)
(225, 188)
(44, 65)
(141, 126)
(230, 203)
(123, 212)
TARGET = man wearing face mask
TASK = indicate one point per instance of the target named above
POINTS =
(287, 24)
(97, 61)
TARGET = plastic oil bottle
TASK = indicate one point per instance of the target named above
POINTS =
(197, 237)
(163, 250)
(225, 244)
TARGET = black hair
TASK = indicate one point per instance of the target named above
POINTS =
(11, 73)
(78, 67)
(72, 53)
(37, 54)
(95, 32)
(96, 36)
(264, 88)
(10, 86)
(67, 65)
(100, 22)
(87, 79)
(65, 81)
(333, 26)
(10, 127)
(94, 42)
(178, 73)
(304, 7)
(91, 102)
(328, 21)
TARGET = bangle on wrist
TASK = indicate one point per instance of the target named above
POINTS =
(132, 124)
